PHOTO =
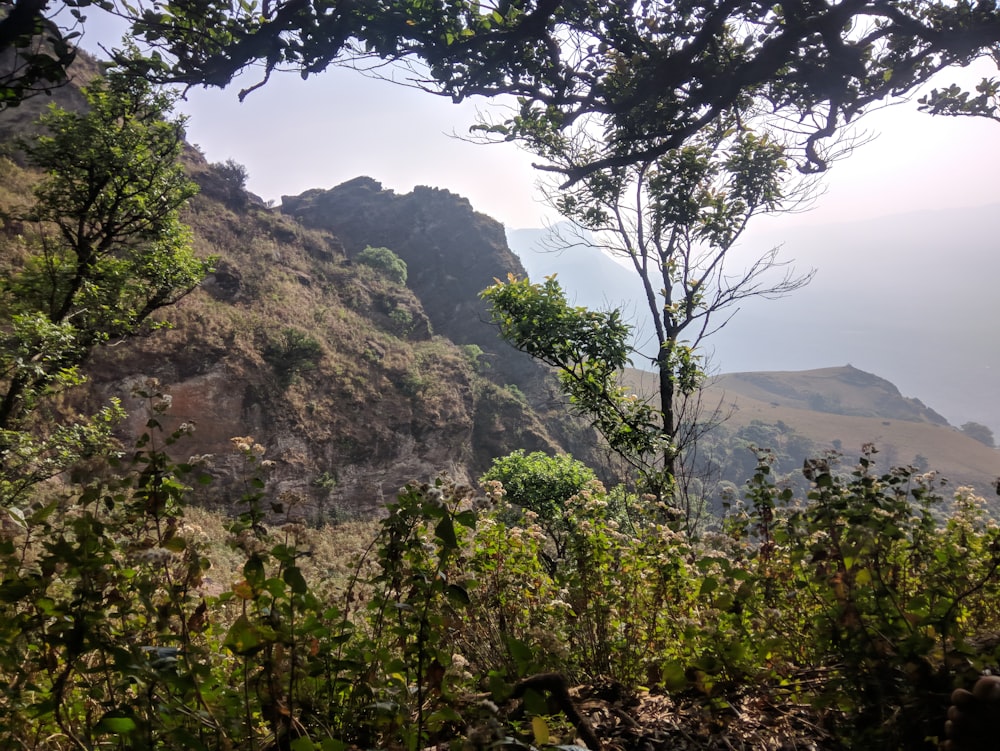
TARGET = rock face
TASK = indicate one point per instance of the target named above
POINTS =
(452, 253)
(353, 383)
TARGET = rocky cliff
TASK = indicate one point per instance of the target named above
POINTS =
(355, 384)
(452, 252)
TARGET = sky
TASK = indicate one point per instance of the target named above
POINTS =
(293, 135)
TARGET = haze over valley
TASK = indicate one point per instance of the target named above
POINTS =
(910, 297)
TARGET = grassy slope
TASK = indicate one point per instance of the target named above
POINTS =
(956, 456)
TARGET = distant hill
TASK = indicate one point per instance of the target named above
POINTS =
(910, 297)
(840, 391)
(841, 408)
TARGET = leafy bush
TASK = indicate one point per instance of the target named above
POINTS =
(540, 482)
(230, 182)
(385, 261)
(291, 352)
(856, 600)
(875, 589)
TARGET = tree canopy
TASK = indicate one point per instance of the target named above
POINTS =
(654, 73)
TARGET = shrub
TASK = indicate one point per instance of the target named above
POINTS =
(291, 352)
(874, 587)
(385, 261)
(539, 482)
(231, 182)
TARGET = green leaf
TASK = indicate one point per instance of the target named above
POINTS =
(253, 571)
(116, 723)
(458, 592)
(445, 531)
(243, 637)
(674, 675)
(294, 579)
(176, 544)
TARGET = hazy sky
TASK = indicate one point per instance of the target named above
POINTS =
(293, 135)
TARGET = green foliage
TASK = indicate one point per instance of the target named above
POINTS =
(652, 74)
(540, 482)
(856, 600)
(291, 352)
(589, 349)
(542, 485)
(675, 219)
(385, 261)
(473, 354)
(878, 589)
(98, 593)
(104, 251)
(44, 53)
(232, 177)
(954, 101)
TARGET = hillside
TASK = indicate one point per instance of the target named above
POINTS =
(908, 297)
(843, 391)
(355, 384)
(806, 413)
(390, 399)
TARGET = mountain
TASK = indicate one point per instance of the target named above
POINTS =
(389, 397)
(855, 408)
(909, 297)
(839, 391)
(804, 414)
(353, 383)
(356, 384)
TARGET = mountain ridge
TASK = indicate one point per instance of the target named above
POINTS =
(907, 297)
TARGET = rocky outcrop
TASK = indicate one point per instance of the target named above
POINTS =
(452, 253)
(354, 384)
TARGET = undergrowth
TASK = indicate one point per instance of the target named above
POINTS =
(867, 600)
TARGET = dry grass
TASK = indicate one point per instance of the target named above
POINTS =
(958, 458)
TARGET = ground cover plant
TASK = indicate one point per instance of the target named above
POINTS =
(462, 622)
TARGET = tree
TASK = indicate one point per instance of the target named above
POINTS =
(660, 72)
(979, 432)
(103, 251)
(386, 261)
(676, 220)
(34, 53)
(588, 349)
(542, 484)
